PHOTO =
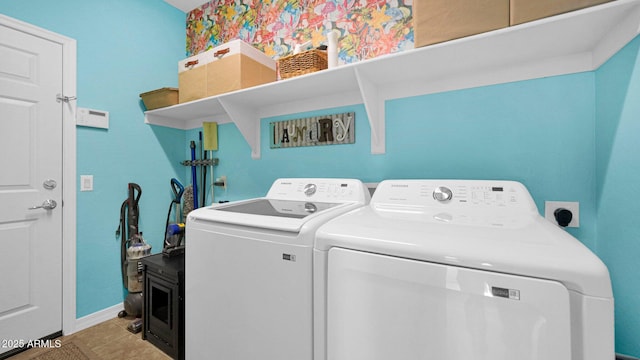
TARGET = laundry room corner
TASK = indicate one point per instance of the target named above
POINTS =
(124, 48)
(618, 139)
(142, 58)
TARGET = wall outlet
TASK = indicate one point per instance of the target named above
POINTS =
(573, 206)
(222, 181)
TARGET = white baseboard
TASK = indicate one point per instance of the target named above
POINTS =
(624, 357)
(98, 317)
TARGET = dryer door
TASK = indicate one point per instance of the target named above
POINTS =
(383, 307)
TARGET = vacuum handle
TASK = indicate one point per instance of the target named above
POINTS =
(133, 188)
(133, 211)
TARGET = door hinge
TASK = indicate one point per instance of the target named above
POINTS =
(60, 98)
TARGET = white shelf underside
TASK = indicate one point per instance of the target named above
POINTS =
(569, 43)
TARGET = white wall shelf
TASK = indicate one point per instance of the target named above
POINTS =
(186, 5)
(569, 43)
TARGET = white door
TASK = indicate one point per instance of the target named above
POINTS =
(30, 174)
(382, 307)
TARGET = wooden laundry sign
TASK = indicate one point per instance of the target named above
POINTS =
(319, 130)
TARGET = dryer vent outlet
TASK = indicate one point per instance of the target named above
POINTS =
(563, 213)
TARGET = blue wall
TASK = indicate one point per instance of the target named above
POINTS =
(125, 47)
(538, 132)
(618, 170)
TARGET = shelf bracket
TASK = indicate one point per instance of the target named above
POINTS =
(374, 107)
(247, 121)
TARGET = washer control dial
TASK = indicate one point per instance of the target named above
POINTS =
(310, 189)
(442, 194)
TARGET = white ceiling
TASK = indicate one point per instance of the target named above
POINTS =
(186, 5)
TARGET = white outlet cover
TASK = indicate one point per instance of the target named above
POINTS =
(573, 206)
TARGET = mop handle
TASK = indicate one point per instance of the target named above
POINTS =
(194, 176)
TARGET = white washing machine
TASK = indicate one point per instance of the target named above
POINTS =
(453, 270)
(248, 275)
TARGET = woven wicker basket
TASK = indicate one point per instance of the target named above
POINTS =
(302, 63)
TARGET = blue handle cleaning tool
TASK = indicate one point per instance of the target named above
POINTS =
(171, 241)
(194, 176)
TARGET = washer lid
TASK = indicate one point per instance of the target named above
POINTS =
(290, 204)
(279, 208)
(509, 239)
(270, 214)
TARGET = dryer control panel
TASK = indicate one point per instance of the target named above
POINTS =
(454, 194)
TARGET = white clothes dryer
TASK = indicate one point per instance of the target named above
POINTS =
(457, 269)
(248, 270)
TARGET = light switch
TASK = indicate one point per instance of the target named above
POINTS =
(86, 182)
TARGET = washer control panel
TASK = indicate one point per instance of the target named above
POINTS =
(322, 190)
(310, 189)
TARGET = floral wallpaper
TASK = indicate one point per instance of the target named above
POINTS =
(368, 28)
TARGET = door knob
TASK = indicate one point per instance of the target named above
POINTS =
(47, 205)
